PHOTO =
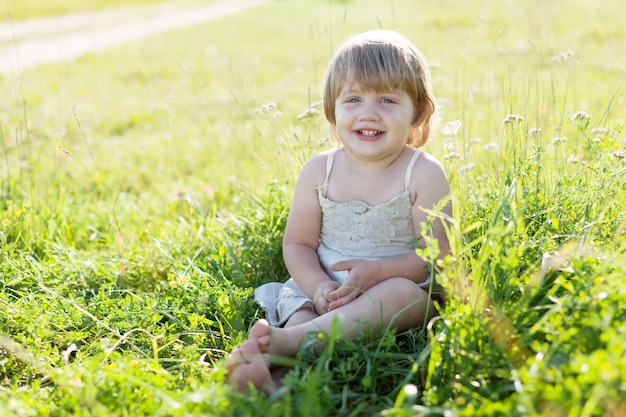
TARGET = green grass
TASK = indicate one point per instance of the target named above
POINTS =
(145, 191)
(16, 10)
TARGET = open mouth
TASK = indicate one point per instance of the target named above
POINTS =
(369, 133)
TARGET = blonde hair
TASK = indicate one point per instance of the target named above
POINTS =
(379, 60)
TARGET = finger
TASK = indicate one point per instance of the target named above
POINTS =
(341, 266)
(339, 292)
(344, 300)
(322, 306)
(344, 292)
(330, 289)
(348, 286)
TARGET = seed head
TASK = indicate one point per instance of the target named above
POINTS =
(512, 118)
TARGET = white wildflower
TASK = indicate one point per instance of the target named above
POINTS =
(443, 102)
(572, 160)
(449, 144)
(474, 141)
(563, 57)
(535, 131)
(599, 130)
(511, 118)
(580, 115)
(467, 167)
(559, 139)
(618, 155)
(451, 128)
(452, 155)
(308, 114)
(265, 108)
(491, 146)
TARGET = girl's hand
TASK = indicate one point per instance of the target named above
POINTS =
(362, 275)
(321, 300)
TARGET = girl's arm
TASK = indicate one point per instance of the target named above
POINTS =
(430, 186)
(303, 230)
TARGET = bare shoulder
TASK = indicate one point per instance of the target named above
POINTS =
(314, 169)
(429, 177)
(427, 164)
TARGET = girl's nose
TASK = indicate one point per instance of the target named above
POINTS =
(368, 112)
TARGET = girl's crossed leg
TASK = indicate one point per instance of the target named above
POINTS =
(397, 299)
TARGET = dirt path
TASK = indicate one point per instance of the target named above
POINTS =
(27, 44)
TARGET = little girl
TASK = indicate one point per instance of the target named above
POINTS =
(356, 212)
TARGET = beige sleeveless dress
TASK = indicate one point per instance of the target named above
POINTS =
(352, 229)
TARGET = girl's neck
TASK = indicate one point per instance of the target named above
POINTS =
(366, 166)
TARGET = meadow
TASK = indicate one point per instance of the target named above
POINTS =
(18, 10)
(144, 191)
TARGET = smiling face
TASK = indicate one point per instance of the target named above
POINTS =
(382, 60)
(373, 125)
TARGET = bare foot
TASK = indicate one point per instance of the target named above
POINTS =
(261, 363)
(248, 363)
(261, 332)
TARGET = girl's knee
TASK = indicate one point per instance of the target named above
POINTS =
(404, 284)
(404, 291)
(410, 300)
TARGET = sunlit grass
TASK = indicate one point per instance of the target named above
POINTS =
(18, 10)
(145, 189)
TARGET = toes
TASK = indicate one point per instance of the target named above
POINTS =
(264, 342)
(250, 368)
(247, 364)
(255, 373)
(250, 347)
(247, 352)
(261, 332)
(260, 328)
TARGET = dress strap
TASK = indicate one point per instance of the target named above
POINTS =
(329, 166)
(409, 168)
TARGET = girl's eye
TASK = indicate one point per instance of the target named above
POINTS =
(353, 100)
(386, 100)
